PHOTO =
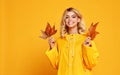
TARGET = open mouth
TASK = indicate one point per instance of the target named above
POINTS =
(70, 23)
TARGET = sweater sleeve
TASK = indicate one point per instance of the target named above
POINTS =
(53, 56)
(90, 55)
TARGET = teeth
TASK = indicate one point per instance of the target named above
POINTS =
(70, 23)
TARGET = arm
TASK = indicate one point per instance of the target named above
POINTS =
(90, 55)
(52, 53)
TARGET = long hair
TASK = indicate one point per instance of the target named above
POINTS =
(81, 26)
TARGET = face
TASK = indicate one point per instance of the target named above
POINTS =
(71, 19)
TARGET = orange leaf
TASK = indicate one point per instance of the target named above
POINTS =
(53, 31)
(92, 33)
(49, 31)
(48, 28)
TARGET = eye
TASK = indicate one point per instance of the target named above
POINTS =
(74, 16)
(66, 17)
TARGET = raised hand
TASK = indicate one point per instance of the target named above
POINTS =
(51, 42)
(87, 41)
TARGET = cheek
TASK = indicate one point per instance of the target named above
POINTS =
(75, 20)
(66, 20)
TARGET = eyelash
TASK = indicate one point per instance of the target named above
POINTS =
(67, 17)
(72, 17)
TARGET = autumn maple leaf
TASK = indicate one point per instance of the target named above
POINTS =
(92, 31)
(49, 31)
(52, 31)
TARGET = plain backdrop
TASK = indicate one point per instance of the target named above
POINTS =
(22, 52)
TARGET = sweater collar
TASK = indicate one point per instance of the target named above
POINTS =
(74, 36)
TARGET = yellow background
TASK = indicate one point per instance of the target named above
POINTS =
(22, 52)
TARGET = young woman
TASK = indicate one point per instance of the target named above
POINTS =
(73, 53)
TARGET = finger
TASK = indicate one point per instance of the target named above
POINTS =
(88, 38)
(52, 41)
(50, 38)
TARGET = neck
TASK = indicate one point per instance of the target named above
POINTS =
(73, 30)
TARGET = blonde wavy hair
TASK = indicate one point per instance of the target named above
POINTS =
(81, 24)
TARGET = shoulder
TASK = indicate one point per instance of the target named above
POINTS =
(85, 34)
(59, 39)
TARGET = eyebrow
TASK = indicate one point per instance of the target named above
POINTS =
(72, 15)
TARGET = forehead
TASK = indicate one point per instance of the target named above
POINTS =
(70, 13)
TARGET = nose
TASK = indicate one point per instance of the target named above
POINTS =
(70, 18)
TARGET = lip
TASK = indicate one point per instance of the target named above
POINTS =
(70, 23)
